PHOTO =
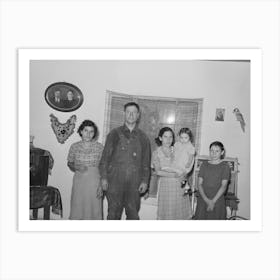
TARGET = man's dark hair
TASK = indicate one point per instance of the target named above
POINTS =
(131, 104)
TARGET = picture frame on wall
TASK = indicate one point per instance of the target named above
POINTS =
(220, 115)
(64, 97)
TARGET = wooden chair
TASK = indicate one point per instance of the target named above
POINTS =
(39, 172)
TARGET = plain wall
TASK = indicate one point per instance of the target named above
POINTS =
(221, 84)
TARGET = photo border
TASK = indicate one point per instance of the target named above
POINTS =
(254, 55)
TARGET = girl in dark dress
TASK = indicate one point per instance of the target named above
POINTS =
(213, 179)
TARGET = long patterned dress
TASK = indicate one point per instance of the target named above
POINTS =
(172, 204)
(84, 203)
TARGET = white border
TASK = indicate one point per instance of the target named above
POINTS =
(24, 57)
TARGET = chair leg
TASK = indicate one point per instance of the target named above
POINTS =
(35, 214)
(47, 212)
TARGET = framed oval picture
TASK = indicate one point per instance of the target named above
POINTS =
(64, 97)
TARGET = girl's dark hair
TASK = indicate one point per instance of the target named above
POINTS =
(219, 144)
(131, 104)
(161, 132)
(187, 131)
(88, 123)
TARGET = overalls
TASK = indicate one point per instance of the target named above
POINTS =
(124, 178)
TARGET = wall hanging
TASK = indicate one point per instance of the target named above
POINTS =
(239, 117)
(62, 131)
(220, 115)
(64, 97)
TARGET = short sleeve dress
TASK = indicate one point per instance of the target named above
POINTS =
(84, 203)
(212, 175)
(172, 204)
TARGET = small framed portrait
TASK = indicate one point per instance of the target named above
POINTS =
(220, 115)
(64, 97)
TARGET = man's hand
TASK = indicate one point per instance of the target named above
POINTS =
(143, 187)
(104, 184)
(99, 192)
(146, 195)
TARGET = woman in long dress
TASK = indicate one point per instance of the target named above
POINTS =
(172, 204)
(83, 160)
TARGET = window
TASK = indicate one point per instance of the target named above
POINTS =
(156, 112)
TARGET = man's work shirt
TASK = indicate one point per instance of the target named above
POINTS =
(124, 148)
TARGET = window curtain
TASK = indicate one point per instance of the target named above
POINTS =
(156, 112)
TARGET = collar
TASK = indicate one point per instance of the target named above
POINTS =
(126, 129)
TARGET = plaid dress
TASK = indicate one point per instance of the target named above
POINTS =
(172, 204)
(84, 203)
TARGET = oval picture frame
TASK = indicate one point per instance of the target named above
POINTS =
(64, 97)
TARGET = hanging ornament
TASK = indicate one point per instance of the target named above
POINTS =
(62, 131)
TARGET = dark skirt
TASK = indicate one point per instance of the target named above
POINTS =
(218, 213)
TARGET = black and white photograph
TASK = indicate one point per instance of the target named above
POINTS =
(139, 140)
(63, 97)
(133, 150)
(220, 115)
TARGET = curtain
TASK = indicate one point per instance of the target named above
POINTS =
(156, 112)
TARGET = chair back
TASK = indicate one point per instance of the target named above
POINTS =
(39, 169)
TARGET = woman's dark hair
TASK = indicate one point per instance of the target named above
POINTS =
(131, 104)
(88, 123)
(187, 131)
(218, 144)
(161, 132)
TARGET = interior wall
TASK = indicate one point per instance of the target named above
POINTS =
(221, 85)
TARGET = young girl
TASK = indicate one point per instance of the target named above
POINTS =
(213, 179)
(172, 205)
(184, 152)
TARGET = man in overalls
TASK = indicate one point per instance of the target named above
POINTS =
(125, 166)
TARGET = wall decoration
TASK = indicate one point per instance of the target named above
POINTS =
(220, 115)
(62, 131)
(239, 117)
(64, 97)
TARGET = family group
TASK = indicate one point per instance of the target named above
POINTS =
(121, 169)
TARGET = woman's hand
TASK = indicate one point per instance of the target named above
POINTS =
(180, 175)
(81, 168)
(210, 205)
(104, 184)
